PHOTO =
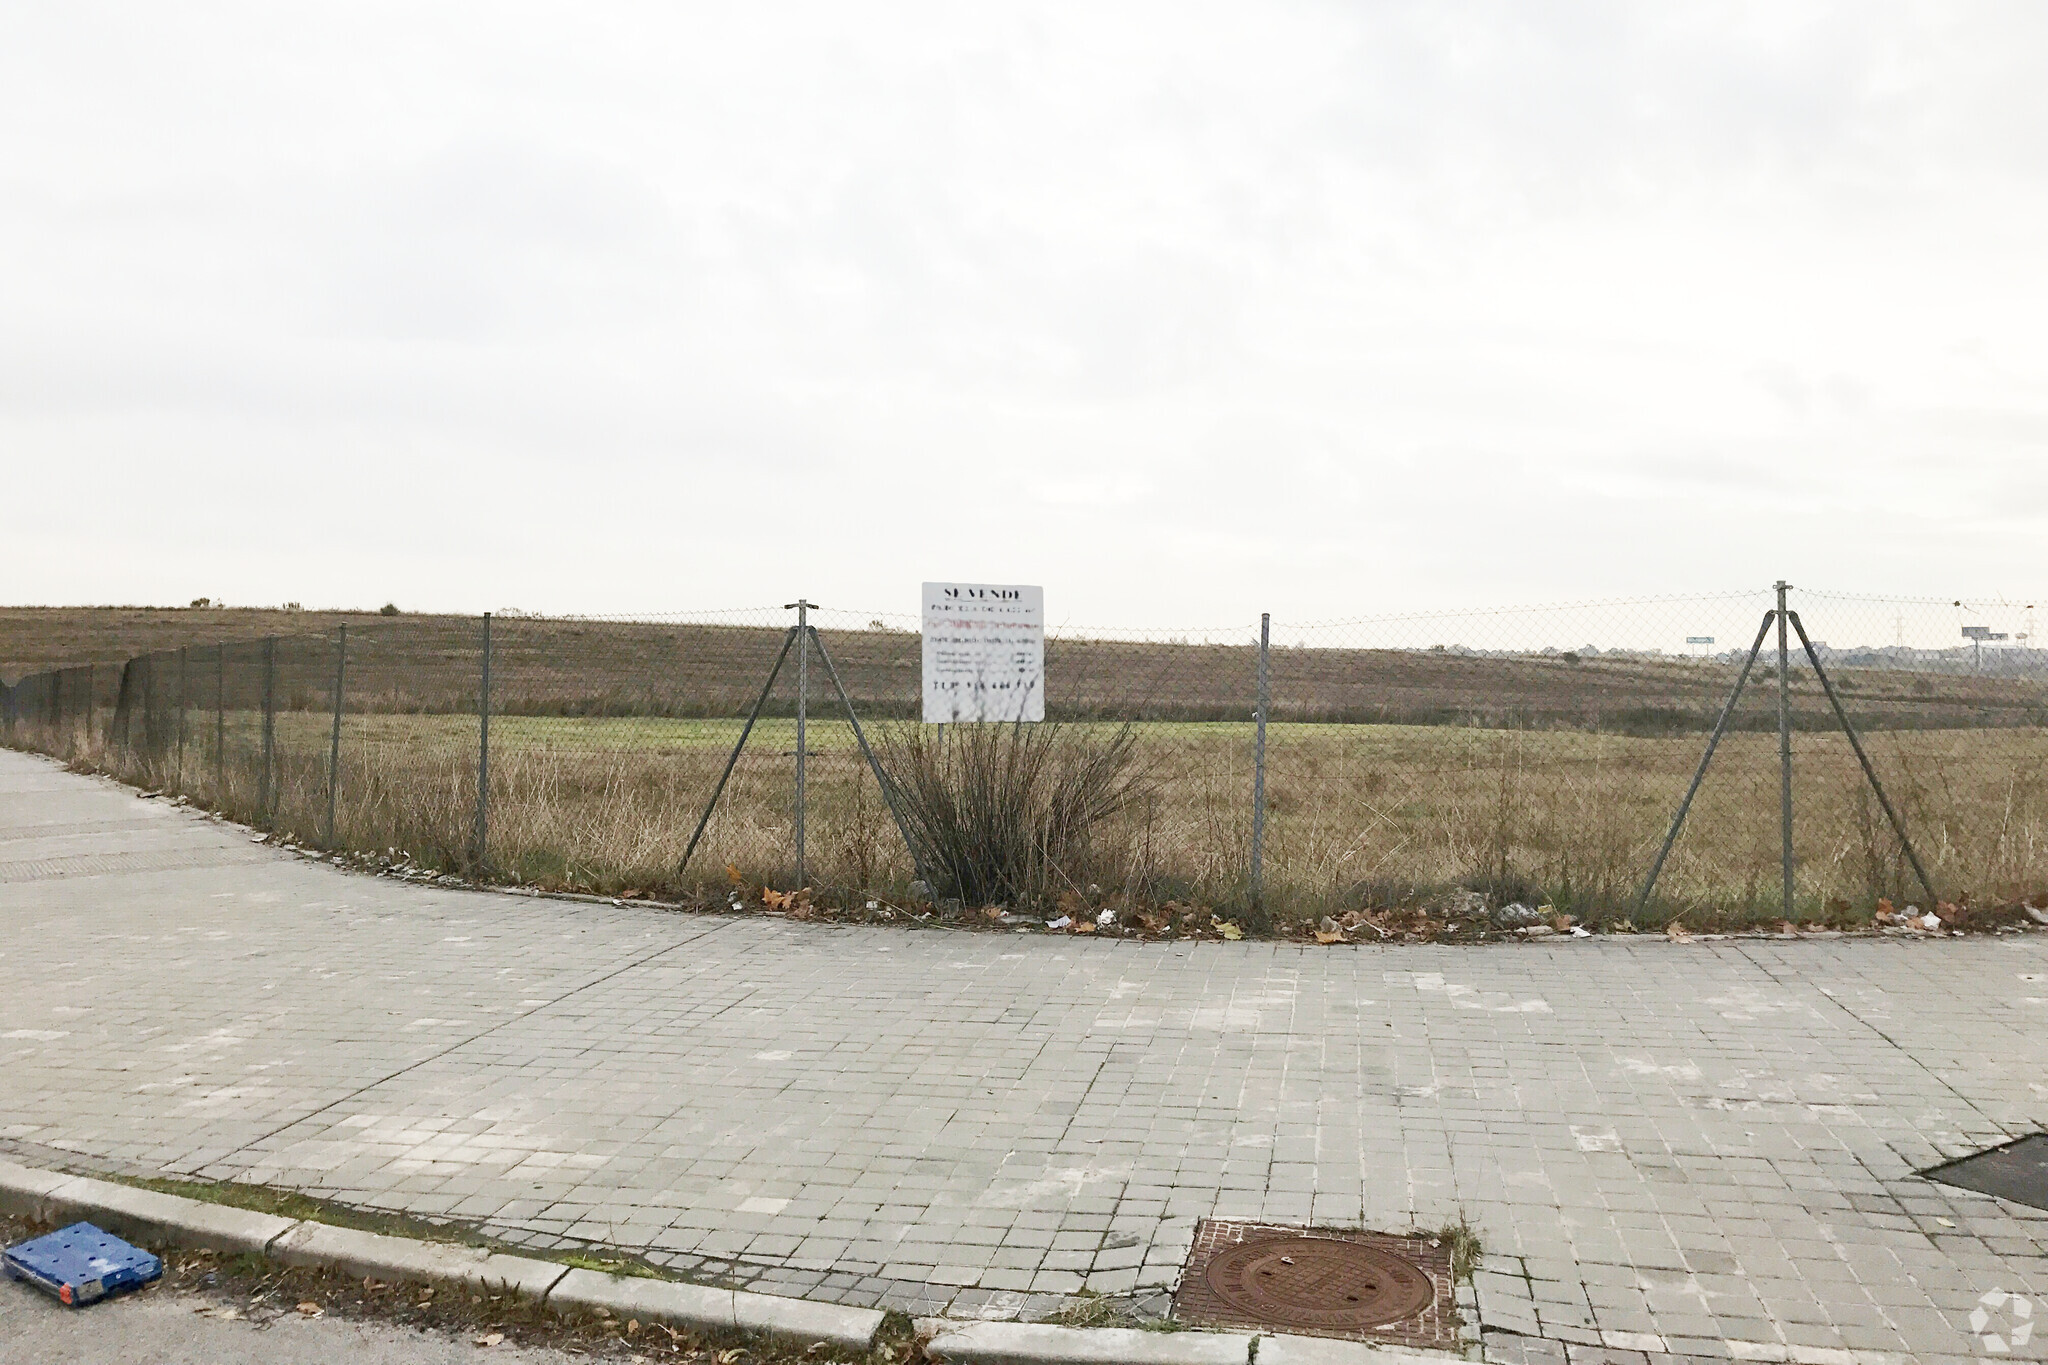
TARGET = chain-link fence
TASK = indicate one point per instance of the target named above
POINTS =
(1533, 755)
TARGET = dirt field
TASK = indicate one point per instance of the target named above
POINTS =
(714, 669)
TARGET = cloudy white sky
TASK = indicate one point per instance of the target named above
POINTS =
(1183, 311)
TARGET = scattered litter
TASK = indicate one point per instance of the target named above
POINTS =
(81, 1264)
(490, 1338)
(2037, 916)
(1581, 931)
(1515, 915)
(1062, 922)
(1535, 931)
(1329, 931)
(1105, 919)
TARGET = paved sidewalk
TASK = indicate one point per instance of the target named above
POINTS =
(1704, 1149)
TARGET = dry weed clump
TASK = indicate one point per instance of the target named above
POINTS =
(1014, 814)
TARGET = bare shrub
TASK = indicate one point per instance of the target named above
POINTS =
(1007, 814)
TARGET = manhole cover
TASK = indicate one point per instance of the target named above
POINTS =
(1318, 1282)
(2017, 1171)
(1323, 1282)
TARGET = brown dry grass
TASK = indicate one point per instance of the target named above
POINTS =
(1360, 816)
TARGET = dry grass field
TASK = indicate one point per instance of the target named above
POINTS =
(1360, 816)
(712, 668)
(1395, 777)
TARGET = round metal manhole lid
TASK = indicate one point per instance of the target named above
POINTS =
(1318, 1282)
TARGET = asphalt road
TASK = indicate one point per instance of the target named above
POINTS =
(160, 1327)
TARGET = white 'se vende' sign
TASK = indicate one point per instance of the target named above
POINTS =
(984, 652)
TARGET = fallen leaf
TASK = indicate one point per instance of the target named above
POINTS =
(776, 900)
(310, 1309)
(490, 1338)
(732, 874)
(1227, 928)
(728, 1357)
(992, 913)
(1329, 931)
(1677, 932)
(632, 1327)
(1884, 907)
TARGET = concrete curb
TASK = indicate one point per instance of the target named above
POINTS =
(166, 1219)
(402, 1258)
(172, 1220)
(1036, 1343)
(1290, 1350)
(1025, 1343)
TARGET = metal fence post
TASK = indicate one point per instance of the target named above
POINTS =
(334, 743)
(265, 796)
(483, 753)
(803, 694)
(1785, 744)
(149, 753)
(220, 720)
(1265, 698)
(91, 697)
(178, 778)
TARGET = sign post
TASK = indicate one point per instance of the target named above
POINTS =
(984, 652)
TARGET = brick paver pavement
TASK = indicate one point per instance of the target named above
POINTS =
(1702, 1148)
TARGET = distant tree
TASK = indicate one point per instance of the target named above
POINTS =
(202, 601)
(387, 609)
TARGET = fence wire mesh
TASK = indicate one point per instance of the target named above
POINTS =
(1442, 760)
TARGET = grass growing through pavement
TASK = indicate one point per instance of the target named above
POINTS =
(1463, 1240)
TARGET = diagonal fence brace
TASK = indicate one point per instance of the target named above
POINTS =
(1699, 775)
(882, 779)
(1869, 772)
(788, 638)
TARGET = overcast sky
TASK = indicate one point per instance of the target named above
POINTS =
(1182, 311)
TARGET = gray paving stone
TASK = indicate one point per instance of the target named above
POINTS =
(1725, 1133)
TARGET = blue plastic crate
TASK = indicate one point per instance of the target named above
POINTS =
(81, 1264)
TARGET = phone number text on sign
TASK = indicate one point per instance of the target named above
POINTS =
(984, 652)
